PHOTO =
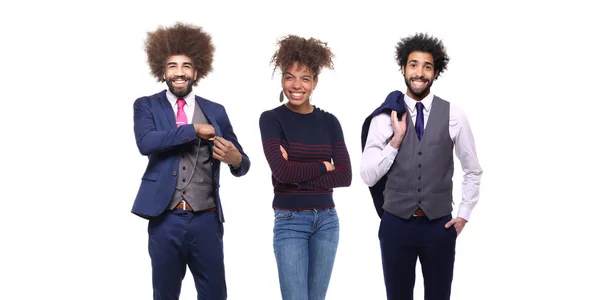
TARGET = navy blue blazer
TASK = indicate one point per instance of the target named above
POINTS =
(394, 101)
(156, 136)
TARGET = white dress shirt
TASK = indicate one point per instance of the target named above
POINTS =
(379, 155)
(189, 106)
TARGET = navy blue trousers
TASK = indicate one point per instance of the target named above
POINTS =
(402, 241)
(178, 239)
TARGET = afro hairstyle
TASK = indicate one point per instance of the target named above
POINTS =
(179, 39)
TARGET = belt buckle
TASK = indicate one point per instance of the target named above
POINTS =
(418, 213)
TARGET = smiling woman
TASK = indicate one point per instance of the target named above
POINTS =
(306, 152)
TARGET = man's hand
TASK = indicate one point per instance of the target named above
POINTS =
(226, 152)
(399, 127)
(458, 223)
(205, 131)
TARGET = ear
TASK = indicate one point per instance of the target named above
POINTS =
(195, 74)
(315, 82)
(437, 73)
(402, 70)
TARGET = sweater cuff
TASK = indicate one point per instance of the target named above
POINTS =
(322, 168)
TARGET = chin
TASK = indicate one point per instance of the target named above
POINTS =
(297, 102)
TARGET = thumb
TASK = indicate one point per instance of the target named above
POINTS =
(450, 223)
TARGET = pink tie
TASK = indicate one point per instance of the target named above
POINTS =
(181, 117)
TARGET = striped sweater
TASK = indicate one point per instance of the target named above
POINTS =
(302, 181)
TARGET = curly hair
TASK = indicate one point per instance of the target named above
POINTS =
(311, 52)
(424, 43)
(180, 39)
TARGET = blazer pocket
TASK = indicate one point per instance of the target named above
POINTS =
(150, 176)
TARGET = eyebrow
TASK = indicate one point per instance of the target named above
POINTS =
(415, 61)
(185, 63)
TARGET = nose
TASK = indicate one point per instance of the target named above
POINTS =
(296, 84)
(178, 71)
(418, 72)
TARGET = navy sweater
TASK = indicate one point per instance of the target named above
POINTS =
(302, 182)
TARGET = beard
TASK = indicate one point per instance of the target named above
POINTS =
(177, 91)
(420, 92)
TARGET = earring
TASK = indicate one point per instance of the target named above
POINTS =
(281, 96)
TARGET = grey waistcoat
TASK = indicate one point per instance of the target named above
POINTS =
(194, 183)
(421, 175)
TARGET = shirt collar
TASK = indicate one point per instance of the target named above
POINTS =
(411, 103)
(189, 99)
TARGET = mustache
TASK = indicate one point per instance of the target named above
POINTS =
(422, 78)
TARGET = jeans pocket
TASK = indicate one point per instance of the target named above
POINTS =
(284, 214)
(332, 211)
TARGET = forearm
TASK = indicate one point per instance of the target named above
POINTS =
(379, 152)
(376, 163)
(243, 168)
(151, 141)
(286, 171)
(341, 176)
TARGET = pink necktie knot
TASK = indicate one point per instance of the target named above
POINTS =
(180, 102)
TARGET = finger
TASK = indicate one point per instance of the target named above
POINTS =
(224, 140)
(218, 157)
(403, 117)
(219, 143)
(218, 151)
(212, 129)
(394, 115)
(450, 223)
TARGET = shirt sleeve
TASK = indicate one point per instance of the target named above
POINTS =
(378, 156)
(464, 142)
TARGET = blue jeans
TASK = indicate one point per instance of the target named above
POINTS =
(305, 243)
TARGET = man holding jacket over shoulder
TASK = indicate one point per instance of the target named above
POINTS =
(408, 164)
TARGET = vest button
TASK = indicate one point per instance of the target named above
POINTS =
(419, 178)
(419, 190)
(183, 180)
(183, 192)
(420, 153)
(419, 166)
(184, 168)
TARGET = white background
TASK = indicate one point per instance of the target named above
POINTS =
(525, 72)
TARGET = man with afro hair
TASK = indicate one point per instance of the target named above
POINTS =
(407, 162)
(186, 138)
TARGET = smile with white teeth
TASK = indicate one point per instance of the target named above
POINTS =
(296, 95)
(419, 82)
(180, 81)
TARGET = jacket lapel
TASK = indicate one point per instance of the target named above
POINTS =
(166, 106)
(210, 115)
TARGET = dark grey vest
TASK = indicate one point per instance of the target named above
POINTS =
(194, 183)
(421, 175)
